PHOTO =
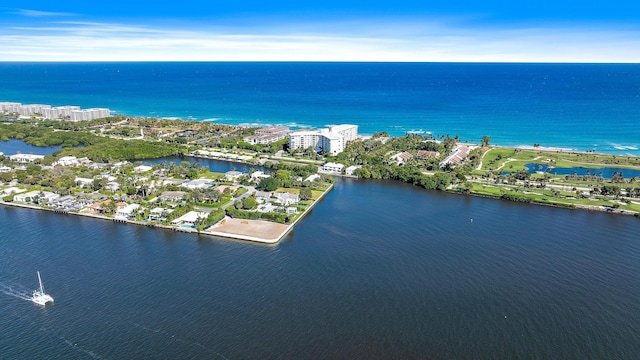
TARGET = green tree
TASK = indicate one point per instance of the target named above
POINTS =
(485, 140)
(249, 203)
(305, 194)
(269, 184)
(192, 173)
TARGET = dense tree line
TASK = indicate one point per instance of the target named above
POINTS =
(297, 170)
(83, 144)
(408, 173)
(281, 218)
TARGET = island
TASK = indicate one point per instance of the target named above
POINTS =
(102, 170)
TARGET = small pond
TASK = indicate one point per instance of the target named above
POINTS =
(14, 146)
(607, 172)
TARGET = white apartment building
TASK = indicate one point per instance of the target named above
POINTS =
(89, 114)
(10, 107)
(331, 140)
(59, 112)
(32, 109)
(74, 113)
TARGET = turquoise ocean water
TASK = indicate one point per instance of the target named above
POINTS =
(574, 106)
(377, 270)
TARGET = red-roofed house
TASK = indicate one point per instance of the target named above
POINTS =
(459, 153)
(401, 158)
(427, 154)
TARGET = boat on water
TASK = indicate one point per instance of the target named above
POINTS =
(39, 296)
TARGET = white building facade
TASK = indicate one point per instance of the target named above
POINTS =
(73, 113)
(332, 140)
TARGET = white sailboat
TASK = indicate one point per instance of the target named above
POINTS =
(39, 296)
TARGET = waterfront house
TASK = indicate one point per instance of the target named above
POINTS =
(259, 175)
(127, 212)
(232, 175)
(4, 169)
(159, 214)
(332, 168)
(100, 206)
(36, 196)
(11, 190)
(47, 197)
(68, 202)
(27, 197)
(352, 169)
(286, 199)
(190, 218)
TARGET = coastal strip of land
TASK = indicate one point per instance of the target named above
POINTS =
(101, 160)
(259, 231)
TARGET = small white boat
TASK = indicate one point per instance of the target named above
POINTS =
(39, 296)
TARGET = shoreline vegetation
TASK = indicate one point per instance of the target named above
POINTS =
(99, 173)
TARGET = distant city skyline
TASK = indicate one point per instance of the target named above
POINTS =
(466, 31)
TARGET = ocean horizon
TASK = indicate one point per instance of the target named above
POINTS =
(576, 107)
(378, 269)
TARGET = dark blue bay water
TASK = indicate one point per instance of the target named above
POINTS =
(377, 270)
(576, 106)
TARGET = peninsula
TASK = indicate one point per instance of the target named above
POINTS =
(99, 172)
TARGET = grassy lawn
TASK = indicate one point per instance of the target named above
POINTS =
(211, 175)
(315, 194)
(288, 190)
(240, 192)
(496, 157)
(499, 156)
(546, 196)
(485, 190)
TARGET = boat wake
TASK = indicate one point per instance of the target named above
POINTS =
(168, 336)
(16, 291)
(80, 349)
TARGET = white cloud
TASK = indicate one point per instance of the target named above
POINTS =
(430, 41)
(37, 13)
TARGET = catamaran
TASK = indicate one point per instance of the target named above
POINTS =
(39, 296)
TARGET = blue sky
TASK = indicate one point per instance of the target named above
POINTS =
(329, 30)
